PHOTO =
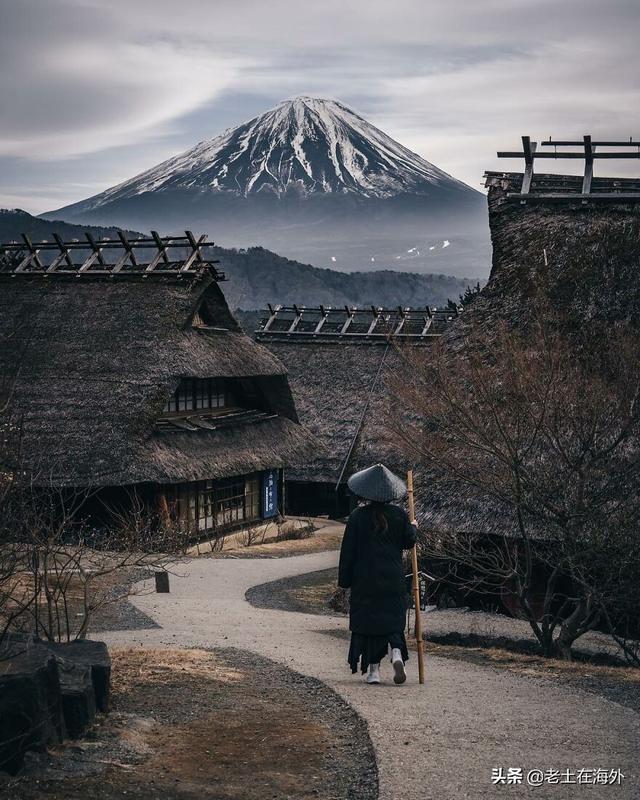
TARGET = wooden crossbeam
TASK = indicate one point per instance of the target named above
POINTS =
(590, 153)
(589, 149)
(557, 143)
(127, 246)
(296, 320)
(559, 156)
(529, 149)
(348, 321)
(162, 246)
(428, 322)
(97, 251)
(61, 255)
(376, 316)
(396, 320)
(274, 313)
(64, 255)
(33, 252)
(324, 316)
(195, 252)
(161, 255)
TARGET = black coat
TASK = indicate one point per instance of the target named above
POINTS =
(371, 566)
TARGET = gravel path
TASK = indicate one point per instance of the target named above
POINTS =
(437, 742)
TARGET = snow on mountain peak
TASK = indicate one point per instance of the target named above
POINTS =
(305, 145)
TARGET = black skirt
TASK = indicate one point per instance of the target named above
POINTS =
(372, 649)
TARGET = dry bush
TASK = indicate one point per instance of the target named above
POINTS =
(65, 570)
(252, 535)
(529, 449)
(289, 530)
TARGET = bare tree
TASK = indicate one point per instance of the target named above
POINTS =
(59, 570)
(530, 457)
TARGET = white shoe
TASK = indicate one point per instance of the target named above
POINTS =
(399, 672)
(374, 674)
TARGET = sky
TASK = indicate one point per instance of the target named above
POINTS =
(93, 92)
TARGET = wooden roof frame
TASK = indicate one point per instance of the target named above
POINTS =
(590, 152)
(396, 319)
(145, 256)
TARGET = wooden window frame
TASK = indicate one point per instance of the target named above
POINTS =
(211, 393)
(211, 506)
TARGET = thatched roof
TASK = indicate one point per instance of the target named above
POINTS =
(579, 257)
(341, 364)
(575, 257)
(92, 361)
(342, 393)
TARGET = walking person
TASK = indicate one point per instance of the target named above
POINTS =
(371, 566)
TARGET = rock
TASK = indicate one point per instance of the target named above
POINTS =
(78, 696)
(31, 714)
(48, 689)
(94, 655)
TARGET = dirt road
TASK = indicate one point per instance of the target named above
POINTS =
(436, 742)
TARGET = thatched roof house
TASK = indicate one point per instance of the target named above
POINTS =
(141, 376)
(341, 365)
(558, 249)
(576, 253)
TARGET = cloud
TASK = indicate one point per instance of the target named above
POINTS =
(460, 117)
(132, 83)
(87, 87)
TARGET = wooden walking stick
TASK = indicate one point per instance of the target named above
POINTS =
(416, 584)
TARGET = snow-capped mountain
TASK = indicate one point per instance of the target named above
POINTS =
(306, 171)
(316, 146)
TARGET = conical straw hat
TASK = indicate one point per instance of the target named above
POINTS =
(377, 483)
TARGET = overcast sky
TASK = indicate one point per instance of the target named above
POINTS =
(95, 91)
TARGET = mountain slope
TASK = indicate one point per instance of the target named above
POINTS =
(307, 173)
(257, 276)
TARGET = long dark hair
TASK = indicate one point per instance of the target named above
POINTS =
(380, 524)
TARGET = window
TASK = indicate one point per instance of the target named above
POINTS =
(196, 394)
(211, 505)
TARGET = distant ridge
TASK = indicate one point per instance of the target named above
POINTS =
(258, 277)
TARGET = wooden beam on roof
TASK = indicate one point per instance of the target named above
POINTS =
(274, 313)
(323, 318)
(529, 150)
(428, 322)
(620, 197)
(195, 252)
(296, 320)
(162, 246)
(97, 252)
(348, 321)
(376, 317)
(64, 255)
(161, 254)
(589, 148)
(32, 250)
(557, 143)
(127, 246)
(24, 263)
(560, 156)
(119, 263)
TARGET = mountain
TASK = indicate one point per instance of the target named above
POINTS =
(305, 146)
(315, 181)
(257, 276)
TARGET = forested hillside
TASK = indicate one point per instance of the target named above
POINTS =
(257, 276)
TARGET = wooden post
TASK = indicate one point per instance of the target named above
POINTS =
(162, 582)
(416, 583)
